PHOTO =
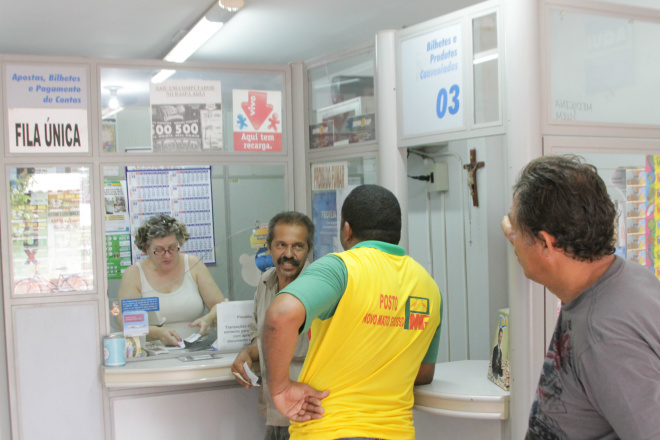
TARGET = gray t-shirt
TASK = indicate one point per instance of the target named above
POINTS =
(601, 375)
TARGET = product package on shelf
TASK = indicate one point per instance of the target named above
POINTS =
(498, 367)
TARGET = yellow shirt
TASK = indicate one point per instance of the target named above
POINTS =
(368, 340)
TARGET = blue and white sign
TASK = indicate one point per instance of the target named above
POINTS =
(47, 109)
(431, 82)
(149, 304)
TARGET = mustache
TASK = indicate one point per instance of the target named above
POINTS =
(283, 259)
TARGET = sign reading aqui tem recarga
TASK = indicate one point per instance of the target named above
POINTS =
(257, 120)
(47, 109)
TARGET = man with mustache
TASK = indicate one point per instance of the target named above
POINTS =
(290, 240)
(374, 315)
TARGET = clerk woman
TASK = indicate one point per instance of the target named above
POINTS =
(181, 282)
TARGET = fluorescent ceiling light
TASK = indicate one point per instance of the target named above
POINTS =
(231, 5)
(162, 75)
(485, 56)
(111, 112)
(198, 35)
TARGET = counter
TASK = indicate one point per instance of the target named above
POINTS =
(461, 389)
(168, 399)
(460, 402)
(171, 371)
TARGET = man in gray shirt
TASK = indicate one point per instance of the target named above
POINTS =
(290, 240)
(601, 375)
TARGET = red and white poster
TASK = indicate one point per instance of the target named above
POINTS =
(257, 120)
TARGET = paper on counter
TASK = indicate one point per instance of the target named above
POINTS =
(254, 379)
(192, 338)
(238, 376)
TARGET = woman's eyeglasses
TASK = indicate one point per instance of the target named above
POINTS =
(172, 250)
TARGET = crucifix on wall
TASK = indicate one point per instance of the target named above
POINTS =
(472, 168)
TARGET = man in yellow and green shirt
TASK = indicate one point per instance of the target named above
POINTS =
(374, 315)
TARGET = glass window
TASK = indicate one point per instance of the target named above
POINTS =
(332, 181)
(191, 111)
(603, 69)
(51, 248)
(486, 69)
(342, 105)
(225, 209)
(630, 180)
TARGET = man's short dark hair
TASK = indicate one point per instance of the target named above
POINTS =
(566, 198)
(373, 213)
(291, 218)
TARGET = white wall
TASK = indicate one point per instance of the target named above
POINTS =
(5, 424)
(462, 245)
(57, 365)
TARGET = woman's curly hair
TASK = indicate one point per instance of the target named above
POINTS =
(160, 226)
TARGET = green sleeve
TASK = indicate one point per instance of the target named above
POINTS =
(431, 356)
(319, 288)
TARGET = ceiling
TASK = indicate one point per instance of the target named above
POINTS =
(264, 31)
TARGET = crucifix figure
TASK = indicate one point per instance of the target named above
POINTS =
(472, 168)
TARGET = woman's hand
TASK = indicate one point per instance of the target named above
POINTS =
(205, 323)
(166, 335)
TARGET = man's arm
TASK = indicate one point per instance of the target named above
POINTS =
(284, 317)
(296, 401)
(425, 374)
(427, 367)
(249, 354)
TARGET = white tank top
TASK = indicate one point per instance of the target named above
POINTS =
(180, 307)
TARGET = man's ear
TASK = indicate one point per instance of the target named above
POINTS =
(348, 231)
(547, 241)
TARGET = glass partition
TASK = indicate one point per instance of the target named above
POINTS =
(603, 68)
(630, 180)
(485, 61)
(341, 102)
(224, 208)
(191, 111)
(332, 181)
(51, 232)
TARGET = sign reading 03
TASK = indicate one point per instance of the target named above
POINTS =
(431, 81)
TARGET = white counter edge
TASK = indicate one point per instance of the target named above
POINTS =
(461, 414)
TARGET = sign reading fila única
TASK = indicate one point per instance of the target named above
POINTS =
(47, 109)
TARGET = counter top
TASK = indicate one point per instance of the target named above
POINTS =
(461, 389)
(171, 371)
